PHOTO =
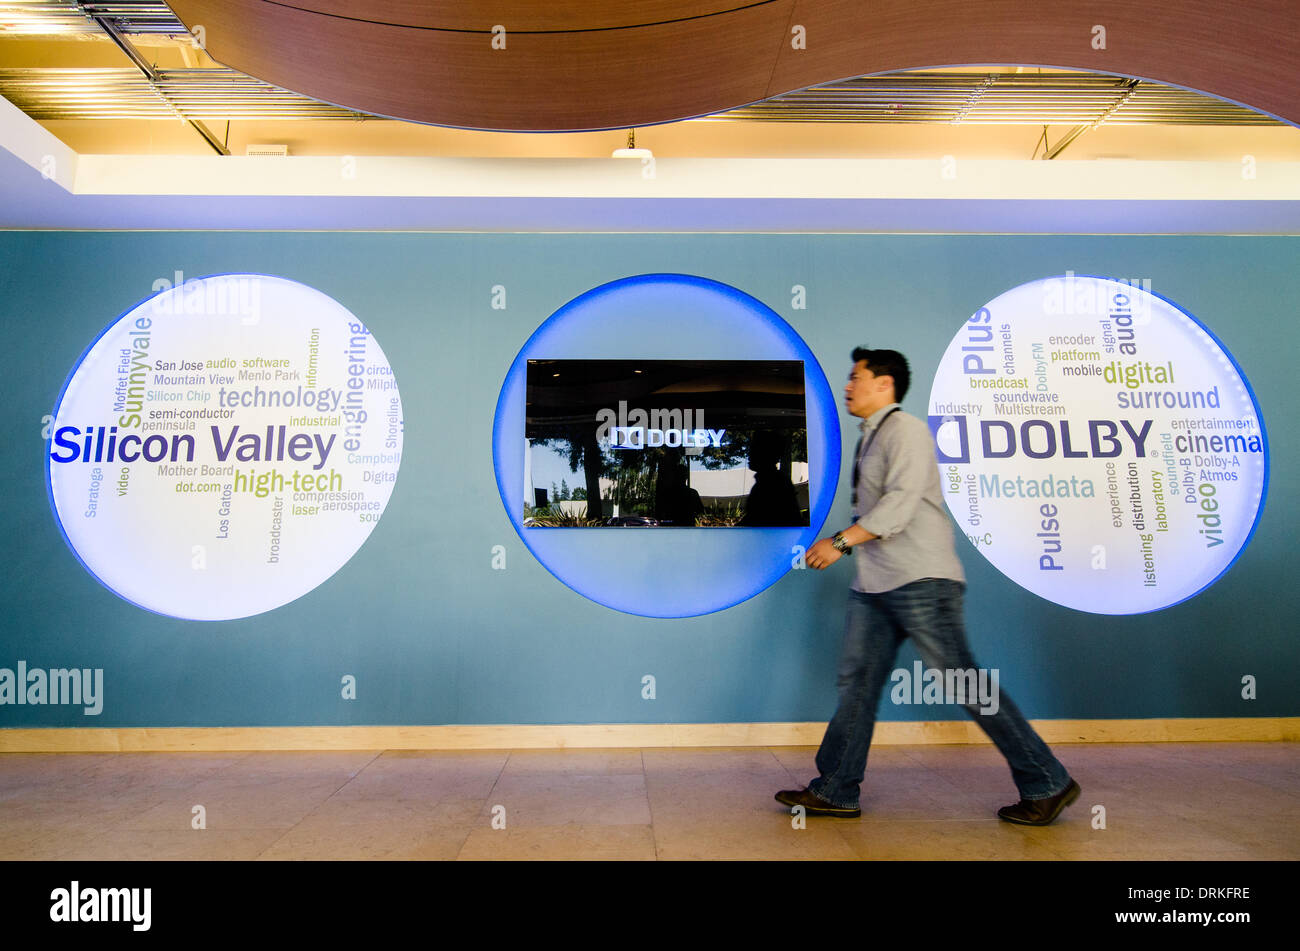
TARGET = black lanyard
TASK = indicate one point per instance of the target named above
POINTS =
(859, 456)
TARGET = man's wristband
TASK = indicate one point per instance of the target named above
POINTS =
(839, 544)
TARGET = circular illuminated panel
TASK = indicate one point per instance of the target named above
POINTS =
(224, 447)
(681, 572)
(1098, 445)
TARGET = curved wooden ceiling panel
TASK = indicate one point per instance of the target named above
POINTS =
(575, 66)
(520, 16)
(539, 82)
(1246, 51)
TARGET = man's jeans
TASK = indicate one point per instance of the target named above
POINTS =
(930, 612)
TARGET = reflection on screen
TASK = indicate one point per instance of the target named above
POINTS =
(665, 443)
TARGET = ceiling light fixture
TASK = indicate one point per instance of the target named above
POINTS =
(632, 151)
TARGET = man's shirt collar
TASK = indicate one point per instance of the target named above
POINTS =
(872, 421)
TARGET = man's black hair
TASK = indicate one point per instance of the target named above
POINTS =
(886, 363)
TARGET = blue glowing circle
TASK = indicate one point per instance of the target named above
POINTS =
(225, 516)
(1114, 449)
(683, 572)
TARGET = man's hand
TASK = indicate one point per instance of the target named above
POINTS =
(821, 554)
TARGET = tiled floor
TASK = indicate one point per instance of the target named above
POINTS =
(1159, 801)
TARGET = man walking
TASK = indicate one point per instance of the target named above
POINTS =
(908, 583)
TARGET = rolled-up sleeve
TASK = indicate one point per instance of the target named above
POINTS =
(909, 456)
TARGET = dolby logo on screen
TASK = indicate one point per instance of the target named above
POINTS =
(651, 429)
(665, 444)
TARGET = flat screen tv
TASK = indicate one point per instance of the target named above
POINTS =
(665, 444)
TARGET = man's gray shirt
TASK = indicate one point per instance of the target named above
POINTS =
(900, 499)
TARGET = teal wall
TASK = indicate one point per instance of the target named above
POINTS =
(434, 635)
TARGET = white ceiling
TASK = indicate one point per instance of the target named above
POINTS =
(742, 195)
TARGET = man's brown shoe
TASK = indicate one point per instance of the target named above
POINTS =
(1040, 812)
(813, 806)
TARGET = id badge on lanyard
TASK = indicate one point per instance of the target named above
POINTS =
(858, 457)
